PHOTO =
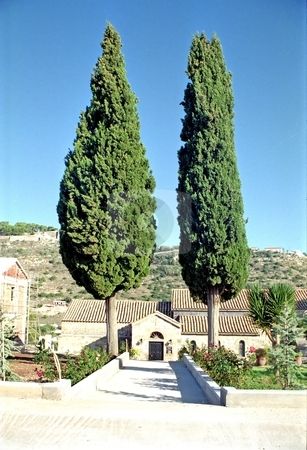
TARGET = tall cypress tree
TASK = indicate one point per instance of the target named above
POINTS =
(106, 206)
(213, 248)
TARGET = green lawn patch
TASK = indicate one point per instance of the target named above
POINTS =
(264, 378)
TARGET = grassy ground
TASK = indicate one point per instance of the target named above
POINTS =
(263, 378)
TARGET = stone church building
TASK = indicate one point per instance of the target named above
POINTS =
(158, 329)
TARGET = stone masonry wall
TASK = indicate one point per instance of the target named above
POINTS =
(231, 342)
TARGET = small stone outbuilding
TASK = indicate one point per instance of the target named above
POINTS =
(15, 295)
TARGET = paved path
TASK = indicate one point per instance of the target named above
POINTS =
(152, 381)
(151, 406)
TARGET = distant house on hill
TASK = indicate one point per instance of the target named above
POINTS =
(15, 295)
(159, 329)
(275, 249)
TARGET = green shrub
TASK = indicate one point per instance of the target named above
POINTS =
(283, 355)
(7, 346)
(261, 353)
(221, 364)
(46, 360)
(78, 367)
(134, 353)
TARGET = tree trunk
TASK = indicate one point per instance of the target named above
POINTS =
(214, 302)
(111, 316)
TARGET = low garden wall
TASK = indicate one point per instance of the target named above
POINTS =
(230, 396)
(50, 391)
(96, 380)
(210, 388)
(59, 390)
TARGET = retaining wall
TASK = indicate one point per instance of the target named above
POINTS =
(211, 389)
(96, 380)
(49, 391)
(59, 390)
(230, 396)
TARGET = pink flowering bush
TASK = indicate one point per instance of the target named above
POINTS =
(221, 364)
(250, 357)
(39, 373)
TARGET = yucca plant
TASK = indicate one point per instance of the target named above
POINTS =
(265, 306)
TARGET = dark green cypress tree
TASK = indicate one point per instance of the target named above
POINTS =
(106, 206)
(213, 248)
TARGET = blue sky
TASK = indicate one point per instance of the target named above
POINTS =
(48, 50)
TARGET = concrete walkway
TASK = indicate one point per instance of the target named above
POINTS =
(148, 405)
(152, 381)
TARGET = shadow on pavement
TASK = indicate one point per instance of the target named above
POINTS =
(189, 389)
(149, 398)
(146, 369)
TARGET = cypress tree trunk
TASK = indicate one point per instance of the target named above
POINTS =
(214, 302)
(112, 334)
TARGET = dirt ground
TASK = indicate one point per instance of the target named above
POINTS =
(25, 369)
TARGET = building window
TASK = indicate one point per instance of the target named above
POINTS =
(242, 348)
(12, 293)
(156, 335)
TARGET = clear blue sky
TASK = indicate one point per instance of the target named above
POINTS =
(49, 48)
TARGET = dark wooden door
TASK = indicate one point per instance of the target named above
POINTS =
(155, 351)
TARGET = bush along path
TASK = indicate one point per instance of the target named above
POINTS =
(228, 369)
(74, 368)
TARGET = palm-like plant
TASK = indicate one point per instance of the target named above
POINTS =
(266, 305)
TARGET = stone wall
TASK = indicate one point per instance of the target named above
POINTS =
(231, 342)
(76, 335)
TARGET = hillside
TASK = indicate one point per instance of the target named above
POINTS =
(51, 280)
(21, 228)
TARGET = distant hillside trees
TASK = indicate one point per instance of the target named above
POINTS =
(20, 228)
(213, 249)
(106, 206)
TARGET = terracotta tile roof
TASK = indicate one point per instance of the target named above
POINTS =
(128, 311)
(182, 301)
(301, 299)
(164, 317)
(85, 311)
(228, 325)
(11, 267)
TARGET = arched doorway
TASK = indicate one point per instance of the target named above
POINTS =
(156, 346)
